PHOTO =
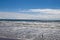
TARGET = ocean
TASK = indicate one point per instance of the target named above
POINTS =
(29, 30)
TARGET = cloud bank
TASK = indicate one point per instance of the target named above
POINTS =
(45, 14)
(48, 11)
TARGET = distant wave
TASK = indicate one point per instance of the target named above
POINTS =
(30, 20)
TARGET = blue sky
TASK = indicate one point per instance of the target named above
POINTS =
(30, 9)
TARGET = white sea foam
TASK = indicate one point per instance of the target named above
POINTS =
(30, 30)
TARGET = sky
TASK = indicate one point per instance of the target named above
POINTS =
(30, 9)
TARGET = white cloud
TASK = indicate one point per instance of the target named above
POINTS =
(46, 11)
(25, 14)
(13, 15)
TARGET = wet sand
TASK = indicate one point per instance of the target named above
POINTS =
(7, 39)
